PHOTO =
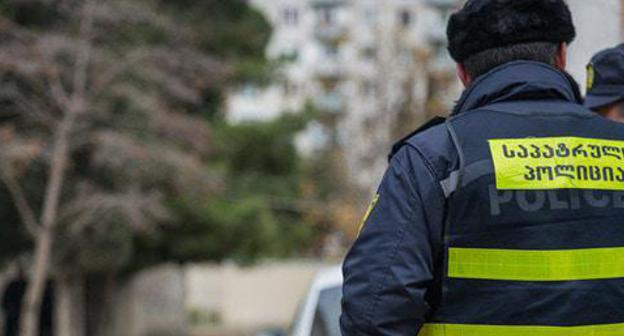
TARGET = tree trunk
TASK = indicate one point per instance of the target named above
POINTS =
(70, 305)
(104, 290)
(56, 176)
(45, 238)
(29, 319)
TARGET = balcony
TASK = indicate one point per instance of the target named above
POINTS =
(332, 102)
(437, 33)
(443, 4)
(325, 3)
(330, 68)
(442, 64)
(330, 33)
(329, 20)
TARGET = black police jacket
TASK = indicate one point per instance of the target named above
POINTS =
(506, 219)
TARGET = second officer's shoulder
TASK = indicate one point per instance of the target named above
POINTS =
(432, 142)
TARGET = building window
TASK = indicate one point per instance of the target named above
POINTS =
(405, 55)
(291, 16)
(368, 88)
(250, 92)
(289, 55)
(330, 50)
(369, 53)
(370, 15)
(327, 15)
(405, 18)
(290, 88)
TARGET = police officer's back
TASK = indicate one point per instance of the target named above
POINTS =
(505, 219)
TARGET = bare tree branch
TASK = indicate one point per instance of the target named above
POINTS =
(25, 211)
(84, 52)
(120, 67)
(59, 94)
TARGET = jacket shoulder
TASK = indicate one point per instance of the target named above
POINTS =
(434, 145)
(436, 121)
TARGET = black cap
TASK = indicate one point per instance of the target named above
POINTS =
(487, 24)
(605, 78)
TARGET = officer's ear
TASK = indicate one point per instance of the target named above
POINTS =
(463, 75)
(561, 58)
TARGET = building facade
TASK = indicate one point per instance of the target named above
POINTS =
(362, 63)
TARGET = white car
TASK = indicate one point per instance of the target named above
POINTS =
(319, 313)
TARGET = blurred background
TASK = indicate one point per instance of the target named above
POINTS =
(200, 167)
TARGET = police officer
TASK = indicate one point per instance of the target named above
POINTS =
(507, 218)
(605, 83)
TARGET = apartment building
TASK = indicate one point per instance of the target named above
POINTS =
(357, 61)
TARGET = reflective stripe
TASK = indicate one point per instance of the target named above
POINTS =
(558, 163)
(472, 172)
(491, 330)
(533, 265)
(450, 184)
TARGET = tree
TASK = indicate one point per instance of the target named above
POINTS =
(264, 210)
(111, 107)
(99, 89)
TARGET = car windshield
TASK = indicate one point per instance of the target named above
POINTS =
(326, 318)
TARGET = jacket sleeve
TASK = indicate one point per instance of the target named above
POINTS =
(390, 267)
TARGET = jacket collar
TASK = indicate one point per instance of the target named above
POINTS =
(519, 81)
